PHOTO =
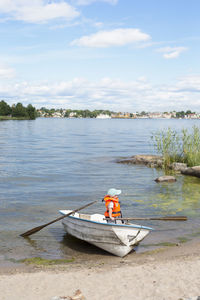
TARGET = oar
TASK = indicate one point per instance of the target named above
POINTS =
(38, 228)
(168, 218)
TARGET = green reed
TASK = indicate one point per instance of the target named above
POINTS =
(178, 147)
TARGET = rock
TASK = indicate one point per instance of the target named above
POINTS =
(193, 171)
(153, 161)
(165, 179)
(178, 166)
(77, 296)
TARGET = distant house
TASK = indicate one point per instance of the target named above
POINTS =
(155, 115)
(72, 114)
(102, 116)
(57, 115)
(167, 115)
(192, 116)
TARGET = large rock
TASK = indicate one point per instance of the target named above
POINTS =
(165, 179)
(178, 166)
(147, 160)
(193, 171)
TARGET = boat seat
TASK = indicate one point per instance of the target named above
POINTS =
(98, 218)
(83, 216)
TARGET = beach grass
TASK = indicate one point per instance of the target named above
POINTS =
(4, 118)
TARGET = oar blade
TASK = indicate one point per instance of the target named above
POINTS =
(38, 228)
(32, 231)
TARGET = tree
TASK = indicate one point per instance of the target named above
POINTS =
(188, 112)
(67, 113)
(19, 111)
(5, 109)
(143, 113)
(31, 111)
(180, 114)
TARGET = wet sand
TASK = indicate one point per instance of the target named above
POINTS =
(168, 273)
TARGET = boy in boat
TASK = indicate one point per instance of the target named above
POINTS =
(113, 210)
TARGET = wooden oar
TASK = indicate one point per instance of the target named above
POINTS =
(168, 218)
(38, 228)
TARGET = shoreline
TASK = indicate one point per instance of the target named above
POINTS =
(167, 273)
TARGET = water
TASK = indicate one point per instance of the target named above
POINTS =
(52, 164)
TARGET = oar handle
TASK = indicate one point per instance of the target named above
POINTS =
(168, 218)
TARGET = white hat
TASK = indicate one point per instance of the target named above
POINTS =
(113, 192)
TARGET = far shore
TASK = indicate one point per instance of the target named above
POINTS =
(169, 273)
(4, 118)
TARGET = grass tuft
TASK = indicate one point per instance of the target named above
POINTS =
(178, 147)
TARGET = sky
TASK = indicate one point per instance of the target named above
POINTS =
(121, 55)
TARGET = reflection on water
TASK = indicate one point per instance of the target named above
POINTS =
(52, 164)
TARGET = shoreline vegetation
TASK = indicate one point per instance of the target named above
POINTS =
(175, 147)
(19, 112)
(178, 152)
(106, 114)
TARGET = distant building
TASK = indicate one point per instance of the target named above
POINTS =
(72, 114)
(102, 116)
(192, 116)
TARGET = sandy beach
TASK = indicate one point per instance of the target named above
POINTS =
(169, 273)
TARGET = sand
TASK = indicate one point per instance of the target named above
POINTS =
(166, 274)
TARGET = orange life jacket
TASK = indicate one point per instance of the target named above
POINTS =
(116, 212)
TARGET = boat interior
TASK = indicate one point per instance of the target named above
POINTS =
(94, 217)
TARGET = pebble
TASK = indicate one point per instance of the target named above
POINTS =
(77, 296)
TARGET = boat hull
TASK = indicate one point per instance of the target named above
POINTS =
(114, 238)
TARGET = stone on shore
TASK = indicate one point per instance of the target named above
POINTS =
(152, 161)
(178, 166)
(165, 179)
(193, 171)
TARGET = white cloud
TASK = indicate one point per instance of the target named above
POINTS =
(37, 11)
(112, 94)
(116, 37)
(6, 72)
(171, 52)
(88, 2)
(189, 84)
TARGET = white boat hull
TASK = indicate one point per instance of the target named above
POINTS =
(118, 239)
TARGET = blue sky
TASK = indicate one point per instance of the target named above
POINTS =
(121, 55)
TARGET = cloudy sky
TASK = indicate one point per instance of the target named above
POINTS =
(121, 55)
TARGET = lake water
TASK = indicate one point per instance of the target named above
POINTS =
(52, 164)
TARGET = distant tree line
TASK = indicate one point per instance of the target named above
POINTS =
(75, 113)
(182, 114)
(17, 111)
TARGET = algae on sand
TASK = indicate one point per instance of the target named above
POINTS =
(45, 262)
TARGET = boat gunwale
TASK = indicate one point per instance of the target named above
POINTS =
(109, 224)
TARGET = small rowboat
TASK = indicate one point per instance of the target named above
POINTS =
(118, 239)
